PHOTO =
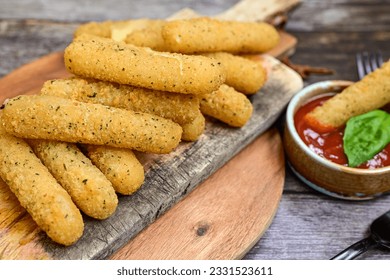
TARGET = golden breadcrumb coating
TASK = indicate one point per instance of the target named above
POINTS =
(372, 92)
(180, 108)
(38, 192)
(90, 190)
(192, 130)
(204, 34)
(55, 118)
(227, 105)
(244, 75)
(102, 29)
(149, 36)
(120, 166)
(105, 59)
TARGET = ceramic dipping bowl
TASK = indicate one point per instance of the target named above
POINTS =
(321, 174)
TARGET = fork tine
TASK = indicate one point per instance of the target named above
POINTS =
(360, 65)
(374, 60)
(380, 58)
(368, 62)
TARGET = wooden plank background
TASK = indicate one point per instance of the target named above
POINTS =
(308, 225)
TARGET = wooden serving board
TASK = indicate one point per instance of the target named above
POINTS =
(224, 215)
(244, 201)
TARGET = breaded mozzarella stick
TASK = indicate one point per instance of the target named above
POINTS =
(90, 190)
(114, 29)
(227, 105)
(149, 36)
(38, 192)
(180, 108)
(106, 28)
(192, 130)
(119, 30)
(372, 92)
(244, 75)
(54, 118)
(199, 35)
(107, 60)
(120, 166)
(101, 29)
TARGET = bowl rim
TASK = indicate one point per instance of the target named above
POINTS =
(299, 99)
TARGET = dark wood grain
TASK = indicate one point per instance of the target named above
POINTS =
(341, 15)
(308, 225)
(330, 33)
(88, 10)
(337, 51)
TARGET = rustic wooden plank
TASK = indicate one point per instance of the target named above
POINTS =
(337, 50)
(336, 15)
(313, 14)
(88, 10)
(24, 41)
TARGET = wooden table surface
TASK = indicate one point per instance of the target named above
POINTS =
(308, 225)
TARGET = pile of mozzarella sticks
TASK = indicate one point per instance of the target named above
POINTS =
(138, 85)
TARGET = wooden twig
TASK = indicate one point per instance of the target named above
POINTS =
(306, 70)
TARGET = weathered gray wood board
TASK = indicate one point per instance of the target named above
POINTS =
(170, 177)
(87, 10)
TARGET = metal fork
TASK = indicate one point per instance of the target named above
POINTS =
(367, 62)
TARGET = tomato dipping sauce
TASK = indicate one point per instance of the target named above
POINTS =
(330, 145)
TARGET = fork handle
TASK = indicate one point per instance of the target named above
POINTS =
(356, 249)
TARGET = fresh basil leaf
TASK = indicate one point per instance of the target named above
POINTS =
(365, 136)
